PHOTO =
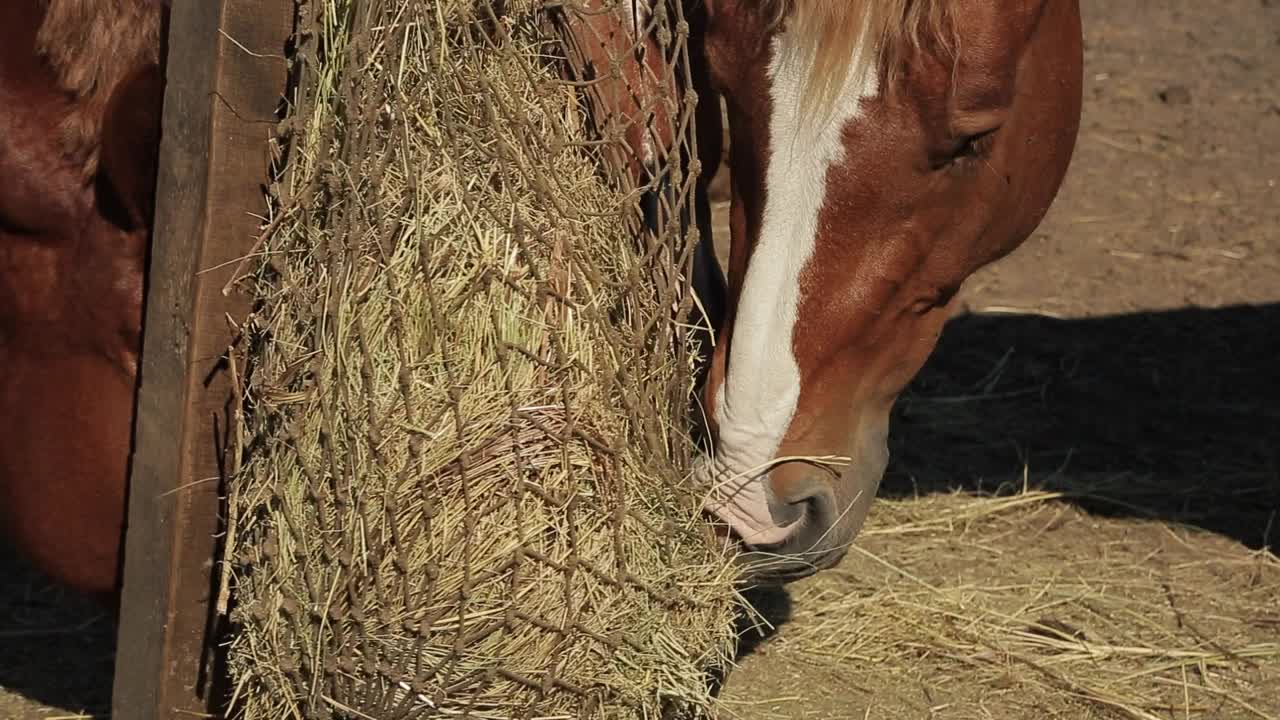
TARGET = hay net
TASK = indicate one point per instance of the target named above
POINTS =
(463, 490)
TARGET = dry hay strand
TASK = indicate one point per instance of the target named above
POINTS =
(1020, 605)
(464, 491)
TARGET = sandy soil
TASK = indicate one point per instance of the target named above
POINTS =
(1083, 475)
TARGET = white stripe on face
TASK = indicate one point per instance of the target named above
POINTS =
(757, 399)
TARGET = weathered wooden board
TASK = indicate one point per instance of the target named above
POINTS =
(225, 79)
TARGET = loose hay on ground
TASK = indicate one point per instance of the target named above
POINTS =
(463, 488)
(1022, 605)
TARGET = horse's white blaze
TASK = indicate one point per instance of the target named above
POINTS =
(757, 400)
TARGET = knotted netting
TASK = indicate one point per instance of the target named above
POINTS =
(465, 479)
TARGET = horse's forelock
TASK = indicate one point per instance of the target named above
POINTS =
(92, 45)
(855, 37)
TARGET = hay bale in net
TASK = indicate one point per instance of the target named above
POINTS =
(463, 488)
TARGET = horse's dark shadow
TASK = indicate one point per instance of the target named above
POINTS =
(1173, 416)
(55, 648)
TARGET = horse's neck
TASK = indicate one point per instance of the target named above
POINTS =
(91, 46)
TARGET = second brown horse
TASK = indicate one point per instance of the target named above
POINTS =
(80, 98)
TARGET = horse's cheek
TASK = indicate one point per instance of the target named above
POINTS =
(65, 423)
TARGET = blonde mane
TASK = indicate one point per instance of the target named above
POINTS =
(844, 37)
(92, 45)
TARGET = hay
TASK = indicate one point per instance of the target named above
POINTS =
(463, 412)
(1021, 605)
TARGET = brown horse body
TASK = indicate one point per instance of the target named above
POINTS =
(80, 95)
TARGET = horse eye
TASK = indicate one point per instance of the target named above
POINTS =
(961, 149)
(975, 145)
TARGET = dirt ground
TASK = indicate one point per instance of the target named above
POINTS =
(1086, 476)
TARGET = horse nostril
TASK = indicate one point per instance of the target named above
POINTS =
(811, 496)
(772, 521)
(787, 511)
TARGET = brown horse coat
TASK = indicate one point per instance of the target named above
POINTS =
(80, 95)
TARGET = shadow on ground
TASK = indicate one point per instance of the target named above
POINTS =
(56, 649)
(1173, 416)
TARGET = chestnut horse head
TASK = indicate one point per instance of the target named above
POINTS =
(882, 151)
(80, 95)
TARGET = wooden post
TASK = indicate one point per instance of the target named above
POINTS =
(225, 79)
